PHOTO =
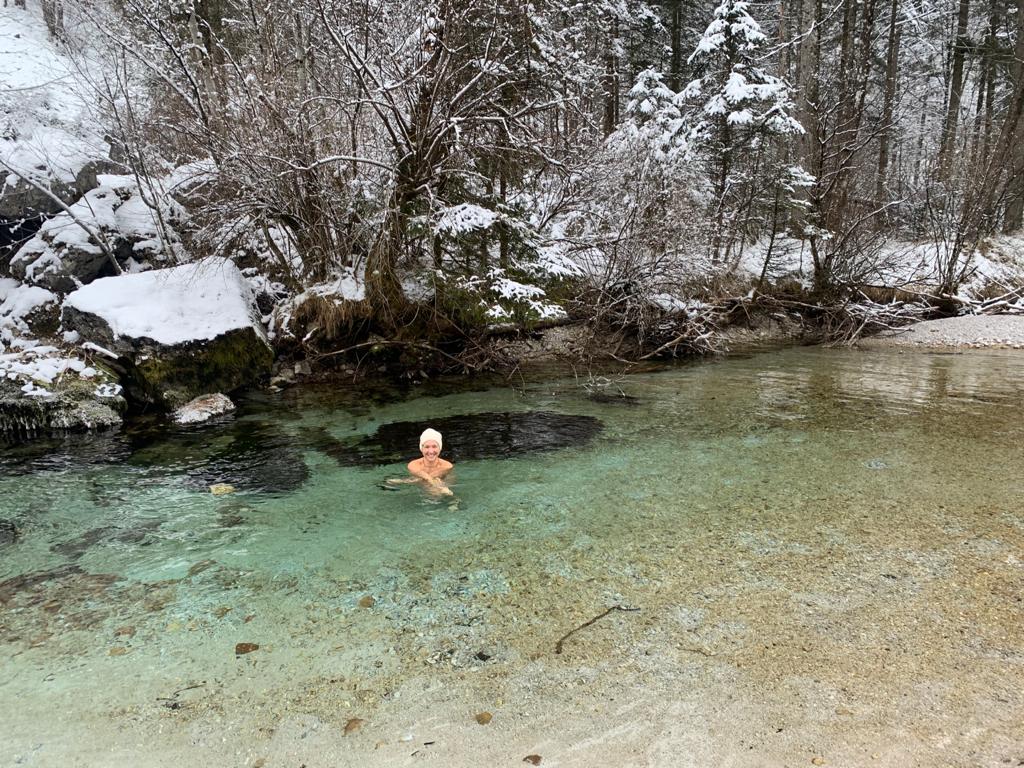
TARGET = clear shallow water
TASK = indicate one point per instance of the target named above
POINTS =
(848, 497)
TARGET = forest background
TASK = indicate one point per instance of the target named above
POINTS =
(398, 171)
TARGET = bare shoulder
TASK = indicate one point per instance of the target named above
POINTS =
(445, 465)
(414, 464)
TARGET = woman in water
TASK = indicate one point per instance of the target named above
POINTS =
(430, 468)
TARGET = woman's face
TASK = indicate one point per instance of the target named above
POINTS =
(430, 449)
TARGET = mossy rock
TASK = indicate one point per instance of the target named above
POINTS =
(172, 376)
(72, 405)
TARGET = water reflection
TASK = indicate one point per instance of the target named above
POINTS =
(471, 437)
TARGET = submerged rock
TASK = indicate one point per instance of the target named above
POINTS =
(470, 437)
(174, 333)
(8, 532)
(246, 455)
(61, 451)
(78, 546)
(11, 587)
(354, 724)
(202, 408)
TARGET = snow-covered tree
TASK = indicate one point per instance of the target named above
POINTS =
(653, 119)
(743, 119)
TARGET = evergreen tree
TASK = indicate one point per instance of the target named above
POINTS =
(742, 118)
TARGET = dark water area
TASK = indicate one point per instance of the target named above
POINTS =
(472, 437)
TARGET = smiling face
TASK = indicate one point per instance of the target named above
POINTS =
(430, 449)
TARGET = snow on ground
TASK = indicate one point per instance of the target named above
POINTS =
(17, 301)
(347, 285)
(46, 125)
(35, 366)
(897, 264)
(191, 302)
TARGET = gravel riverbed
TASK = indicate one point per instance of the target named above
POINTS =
(955, 333)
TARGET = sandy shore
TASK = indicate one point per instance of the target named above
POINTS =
(955, 333)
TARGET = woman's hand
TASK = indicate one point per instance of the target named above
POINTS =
(438, 483)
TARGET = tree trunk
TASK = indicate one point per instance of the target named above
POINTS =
(611, 83)
(53, 16)
(1013, 218)
(383, 290)
(675, 36)
(807, 85)
(956, 88)
(889, 99)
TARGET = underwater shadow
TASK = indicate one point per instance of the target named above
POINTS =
(469, 438)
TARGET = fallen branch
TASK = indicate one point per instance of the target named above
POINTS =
(567, 635)
(386, 342)
(1010, 303)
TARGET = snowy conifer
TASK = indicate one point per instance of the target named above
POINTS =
(738, 94)
(742, 111)
(653, 119)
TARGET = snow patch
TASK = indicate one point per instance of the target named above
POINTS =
(47, 130)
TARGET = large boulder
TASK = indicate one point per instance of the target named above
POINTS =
(43, 387)
(174, 334)
(19, 199)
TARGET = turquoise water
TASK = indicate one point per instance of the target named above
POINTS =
(804, 493)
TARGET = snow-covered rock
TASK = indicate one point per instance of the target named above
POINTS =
(202, 408)
(173, 334)
(42, 387)
(75, 246)
(23, 307)
(71, 402)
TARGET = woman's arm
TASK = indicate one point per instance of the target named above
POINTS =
(416, 469)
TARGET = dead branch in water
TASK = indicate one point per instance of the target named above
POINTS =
(567, 635)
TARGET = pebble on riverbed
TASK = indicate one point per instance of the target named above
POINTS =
(243, 648)
(353, 725)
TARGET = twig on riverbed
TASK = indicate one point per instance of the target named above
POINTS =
(567, 635)
(174, 696)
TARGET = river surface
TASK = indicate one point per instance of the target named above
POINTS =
(802, 557)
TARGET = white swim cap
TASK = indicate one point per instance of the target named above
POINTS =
(431, 434)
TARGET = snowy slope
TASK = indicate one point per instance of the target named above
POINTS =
(47, 128)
